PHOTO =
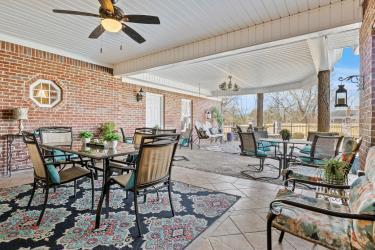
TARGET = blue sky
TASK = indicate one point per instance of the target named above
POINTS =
(348, 65)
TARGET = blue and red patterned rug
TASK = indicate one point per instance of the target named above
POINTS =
(69, 224)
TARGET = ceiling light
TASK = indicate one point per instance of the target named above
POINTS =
(111, 25)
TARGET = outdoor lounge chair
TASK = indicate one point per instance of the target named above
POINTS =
(325, 223)
(46, 174)
(323, 148)
(152, 172)
(249, 147)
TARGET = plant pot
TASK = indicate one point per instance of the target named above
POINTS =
(86, 140)
(112, 144)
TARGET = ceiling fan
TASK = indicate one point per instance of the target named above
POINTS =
(113, 19)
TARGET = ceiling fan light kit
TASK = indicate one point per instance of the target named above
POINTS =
(111, 25)
(113, 20)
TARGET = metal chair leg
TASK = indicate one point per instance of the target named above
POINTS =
(170, 197)
(32, 195)
(137, 215)
(269, 231)
(44, 207)
(281, 237)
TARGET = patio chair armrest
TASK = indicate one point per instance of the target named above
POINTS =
(123, 166)
(276, 211)
(320, 184)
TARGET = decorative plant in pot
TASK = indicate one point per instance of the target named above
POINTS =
(111, 139)
(85, 136)
(285, 134)
(218, 116)
(335, 171)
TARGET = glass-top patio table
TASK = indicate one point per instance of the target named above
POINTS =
(285, 143)
(96, 152)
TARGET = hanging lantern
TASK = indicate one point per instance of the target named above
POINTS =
(341, 97)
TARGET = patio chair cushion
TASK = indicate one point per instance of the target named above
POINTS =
(362, 201)
(308, 160)
(125, 180)
(53, 174)
(72, 173)
(63, 156)
(260, 153)
(264, 145)
(306, 149)
(370, 165)
(329, 231)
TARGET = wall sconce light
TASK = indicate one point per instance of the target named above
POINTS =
(341, 99)
(140, 95)
(208, 115)
(20, 114)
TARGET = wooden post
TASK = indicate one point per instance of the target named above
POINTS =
(323, 101)
(260, 97)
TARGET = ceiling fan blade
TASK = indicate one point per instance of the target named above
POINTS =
(141, 19)
(97, 32)
(72, 12)
(132, 34)
(107, 5)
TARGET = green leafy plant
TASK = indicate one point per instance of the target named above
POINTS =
(285, 134)
(216, 113)
(335, 171)
(108, 128)
(111, 137)
(86, 134)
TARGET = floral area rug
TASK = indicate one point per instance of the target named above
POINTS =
(69, 224)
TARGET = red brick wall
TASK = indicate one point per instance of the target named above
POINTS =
(367, 98)
(91, 96)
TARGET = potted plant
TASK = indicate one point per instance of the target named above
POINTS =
(107, 128)
(285, 134)
(111, 140)
(335, 171)
(85, 136)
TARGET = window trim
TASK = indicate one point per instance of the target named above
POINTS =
(52, 84)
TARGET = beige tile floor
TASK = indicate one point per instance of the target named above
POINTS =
(242, 227)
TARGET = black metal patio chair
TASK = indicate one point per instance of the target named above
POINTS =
(249, 147)
(152, 172)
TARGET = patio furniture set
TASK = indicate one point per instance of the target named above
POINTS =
(321, 220)
(143, 166)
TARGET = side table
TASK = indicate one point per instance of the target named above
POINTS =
(9, 141)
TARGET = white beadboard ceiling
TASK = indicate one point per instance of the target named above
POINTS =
(288, 66)
(182, 21)
(185, 23)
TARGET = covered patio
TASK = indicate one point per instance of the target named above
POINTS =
(110, 136)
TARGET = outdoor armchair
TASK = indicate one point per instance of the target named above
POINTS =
(46, 174)
(152, 172)
(325, 223)
(62, 136)
(249, 147)
(323, 148)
